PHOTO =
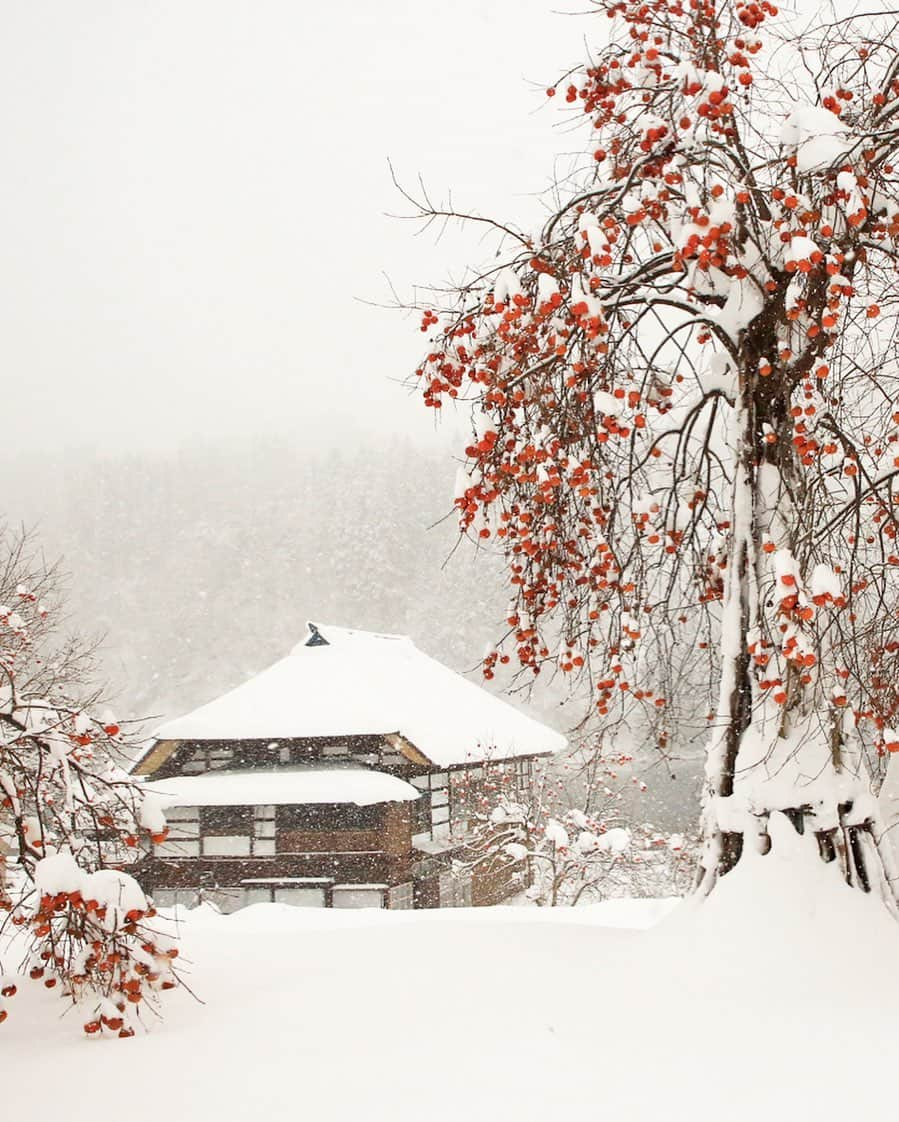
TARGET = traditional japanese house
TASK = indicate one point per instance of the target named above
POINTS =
(344, 775)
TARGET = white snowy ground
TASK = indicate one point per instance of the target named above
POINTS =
(777, 999)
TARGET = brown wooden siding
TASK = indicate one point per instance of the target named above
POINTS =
(329, 841)
(156, 758)
(398, 831)
(228, 872)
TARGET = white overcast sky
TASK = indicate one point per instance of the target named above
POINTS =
(194, 195)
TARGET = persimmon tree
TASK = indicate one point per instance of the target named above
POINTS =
(685, 402)
(70, 818)
(568, 836)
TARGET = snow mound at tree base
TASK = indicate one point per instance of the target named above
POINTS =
(772, 1000)
(789, 919)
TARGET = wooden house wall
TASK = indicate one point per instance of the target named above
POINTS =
(230, 872)
(383, 854)
(188, 757)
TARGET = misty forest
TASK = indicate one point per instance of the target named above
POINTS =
(449, 561)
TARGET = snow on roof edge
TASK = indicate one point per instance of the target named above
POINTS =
(335, 783)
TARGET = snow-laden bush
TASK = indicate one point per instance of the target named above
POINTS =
(71, 817)
(568, 855)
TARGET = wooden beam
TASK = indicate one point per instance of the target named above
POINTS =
(156, 757)
(400, 744)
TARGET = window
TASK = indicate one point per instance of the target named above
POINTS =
(421, 815)
(441, 802)
(304, 892)
(219, 831)
(264, 831)
(264, 825)
(439, 812)
(367, 759)
(205, 758)
(447, 890)
(183, 833)
(227, 900)
(257, 896)
(170, 897)
(177, 847)
(358, 896)
(180, 813)
(400, 896)
(226, 830)
(462, 888)
(329, 816)
(226, 845)
(301, 897)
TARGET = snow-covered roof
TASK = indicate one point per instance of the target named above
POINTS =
(336, 783)
(338, 682)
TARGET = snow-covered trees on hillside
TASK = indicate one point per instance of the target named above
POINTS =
(242, 546)
(70, 818)
(684, 391)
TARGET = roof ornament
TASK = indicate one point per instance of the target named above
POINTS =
(316, 639)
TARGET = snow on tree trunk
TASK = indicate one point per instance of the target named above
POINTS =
(723, 843)
(795, 756)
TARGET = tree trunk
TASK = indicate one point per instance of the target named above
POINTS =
(723, 847)
(767, 486)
